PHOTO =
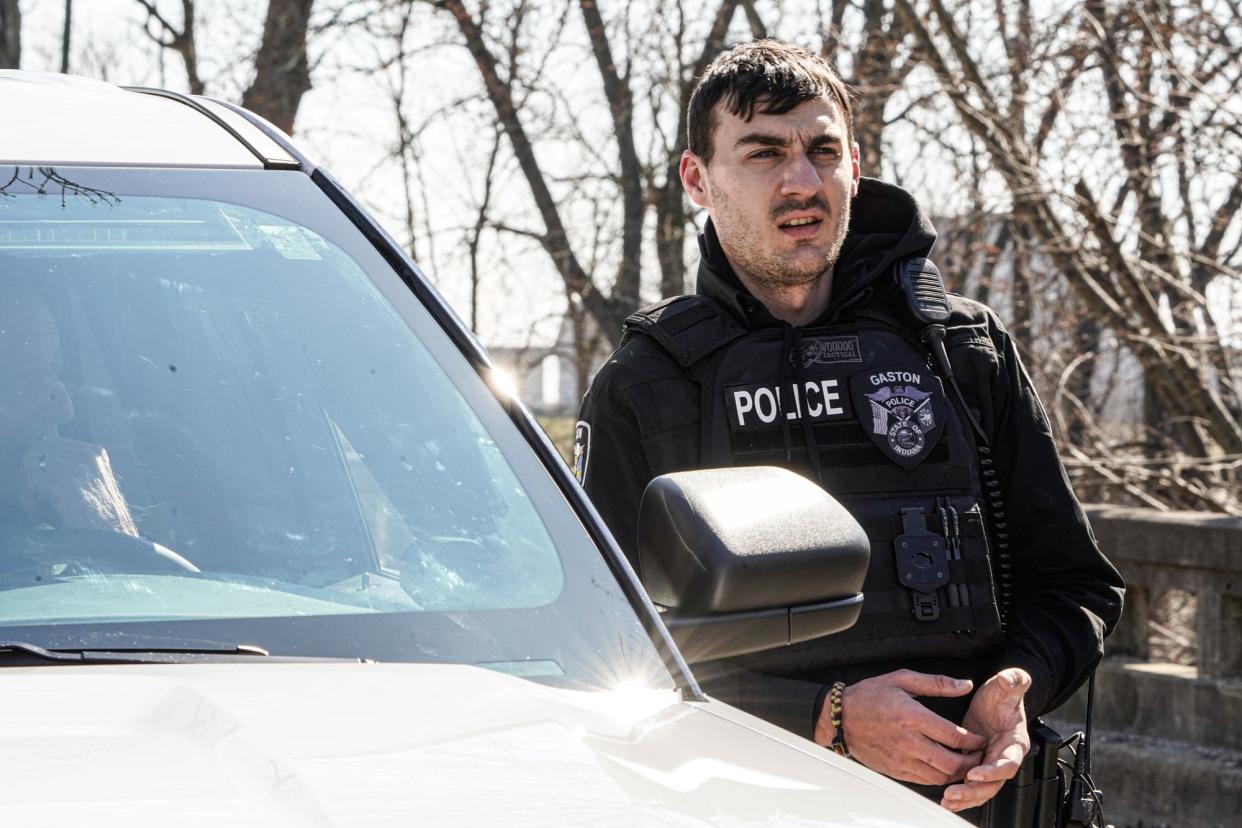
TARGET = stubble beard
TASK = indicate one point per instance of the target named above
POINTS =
(743, 244)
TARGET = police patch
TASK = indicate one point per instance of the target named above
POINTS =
(901, 411)
(582, 449)
(756, 407)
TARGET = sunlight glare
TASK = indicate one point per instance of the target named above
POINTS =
(503, 383)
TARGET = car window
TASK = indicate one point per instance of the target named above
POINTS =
(222, 417)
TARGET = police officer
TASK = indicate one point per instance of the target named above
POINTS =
(987, 598)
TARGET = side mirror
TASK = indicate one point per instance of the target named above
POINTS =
(748, 559)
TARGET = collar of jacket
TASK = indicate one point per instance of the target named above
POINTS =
(886, 225)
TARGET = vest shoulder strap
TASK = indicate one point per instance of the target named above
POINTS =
(689, 328)
(892, 320)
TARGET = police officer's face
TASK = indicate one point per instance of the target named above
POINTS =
(778, 189)
(32, 399)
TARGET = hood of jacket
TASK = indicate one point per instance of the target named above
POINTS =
(886, 226)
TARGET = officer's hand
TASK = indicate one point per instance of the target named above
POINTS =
(997, 713)
(890, 732)
(76, 481)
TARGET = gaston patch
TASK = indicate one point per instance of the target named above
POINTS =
(582, 449)
(901, 411)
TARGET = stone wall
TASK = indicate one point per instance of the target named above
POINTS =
(1167, 746)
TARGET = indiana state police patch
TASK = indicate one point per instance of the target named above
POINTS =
(901, 411)
(582, 449)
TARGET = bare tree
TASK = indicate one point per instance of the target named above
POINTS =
(396, 81)
(1078, 269)
(1152, 87)
(1126, 257)
(10, 34)
(634, 176)
(499, 85)
(881, 61)
(180, 40)
(282, 65)
(672, 217)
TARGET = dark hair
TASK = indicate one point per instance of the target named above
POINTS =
(768, 76)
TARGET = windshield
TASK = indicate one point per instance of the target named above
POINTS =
(223, 419)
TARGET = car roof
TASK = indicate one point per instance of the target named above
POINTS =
(61, 119)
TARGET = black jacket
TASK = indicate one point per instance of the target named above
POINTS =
(643, 413)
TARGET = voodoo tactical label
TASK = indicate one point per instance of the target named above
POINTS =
(901, 411)
(830, 350)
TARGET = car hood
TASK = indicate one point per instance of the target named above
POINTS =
(385, 744)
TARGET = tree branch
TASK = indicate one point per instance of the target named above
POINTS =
(180, 40)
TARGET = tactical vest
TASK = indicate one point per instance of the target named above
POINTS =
(891, 446)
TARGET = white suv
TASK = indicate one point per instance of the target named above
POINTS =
(273, 551)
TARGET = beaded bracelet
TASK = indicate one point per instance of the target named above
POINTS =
(838, 719)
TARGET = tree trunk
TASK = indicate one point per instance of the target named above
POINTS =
(1086, 341)
(282, 71)
(873, 77)
(187, 47)
(10, 34)
(671, 216)
(621, 106)
(1021, 291)
(66, 37)
(586, 345)
(671, 232)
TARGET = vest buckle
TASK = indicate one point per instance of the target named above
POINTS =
(926, 607)
(922, 556)
(922, 563)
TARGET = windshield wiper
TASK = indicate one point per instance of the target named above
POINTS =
(144, 655)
